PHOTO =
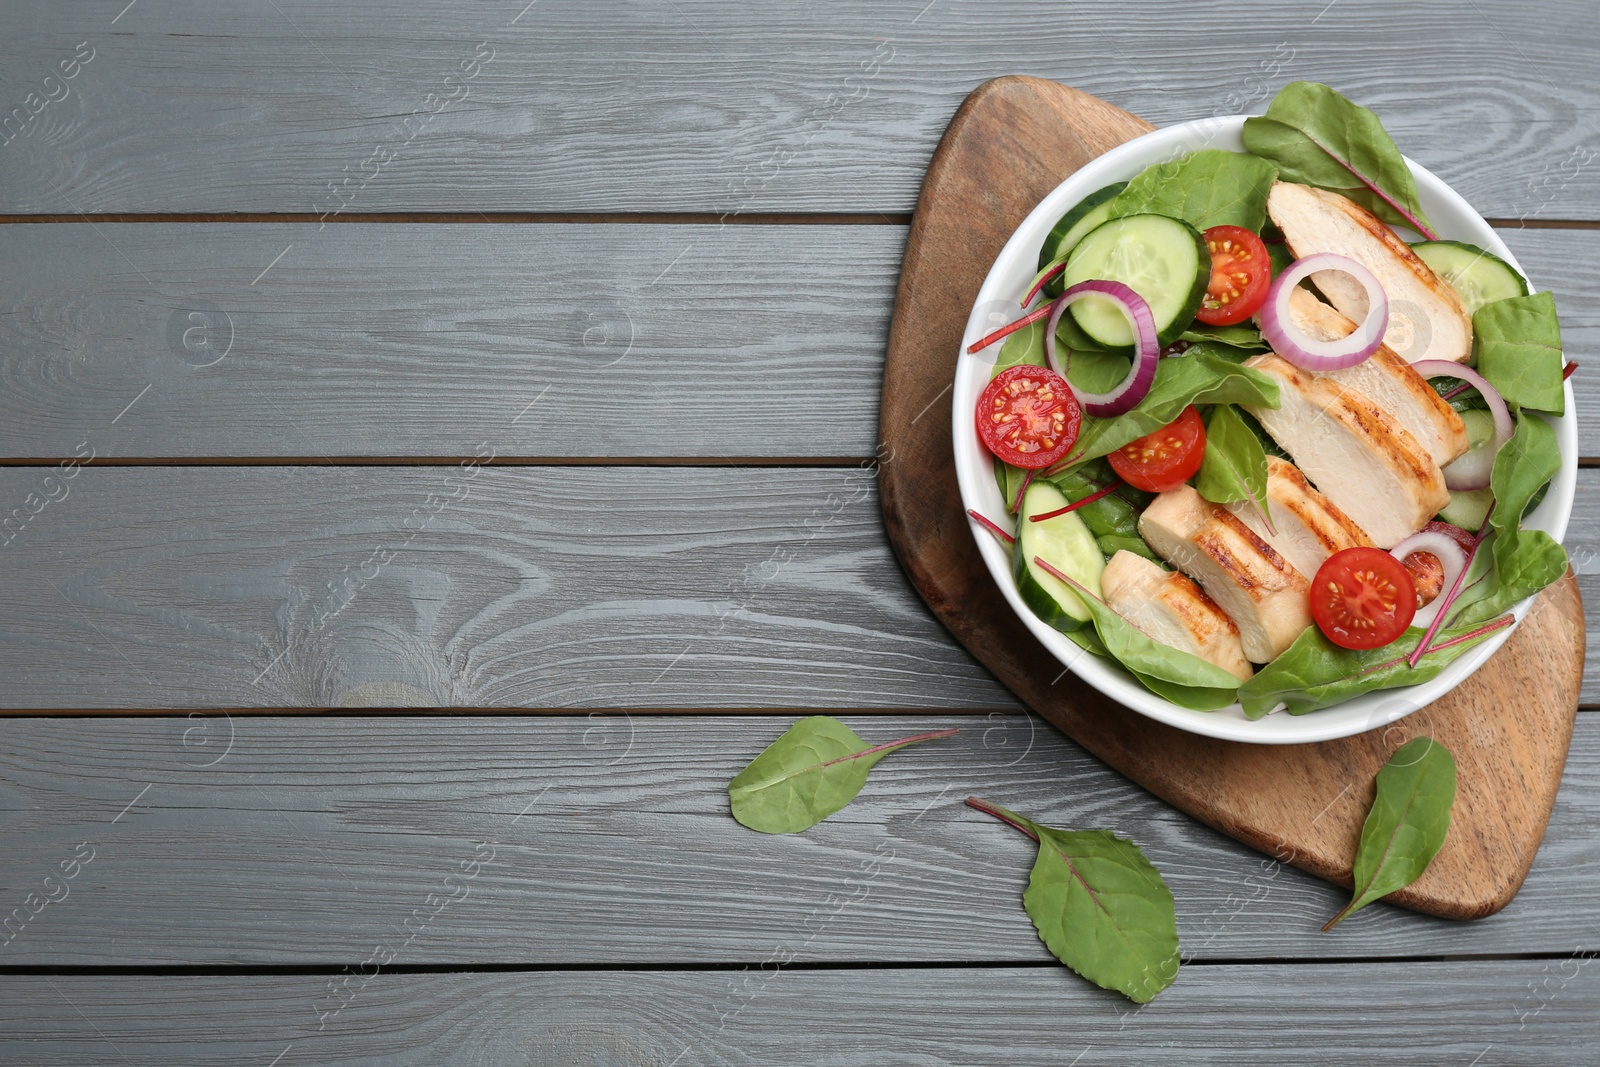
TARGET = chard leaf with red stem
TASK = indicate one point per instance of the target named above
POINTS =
(1099, 906)
(1317, 137)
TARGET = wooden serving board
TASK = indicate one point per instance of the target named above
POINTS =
(1012, 141)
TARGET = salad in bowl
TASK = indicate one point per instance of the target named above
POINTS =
(1265, 433)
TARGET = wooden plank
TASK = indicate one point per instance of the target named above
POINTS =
(697, 106)
(413, 340)
(444, 340)
(606, 840)
(443, 586)
(1527, 1011)
(1583, 547)
(239, 587)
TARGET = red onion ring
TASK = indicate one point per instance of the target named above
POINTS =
(1307, 353)
(1146, 353)
(1446, 549)
(1472, 471)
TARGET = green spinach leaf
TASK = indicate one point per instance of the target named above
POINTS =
(1091, 370)
(1206, 188)
(813, 770)
(1536, 562)
(1407, 825)
(1235, 464)
(1241, 336)
(1099, 906)
(1202, 375)
(1314, 673)
(1317, 137)
(1521, 468)
(1024, 346)
(1518, 343)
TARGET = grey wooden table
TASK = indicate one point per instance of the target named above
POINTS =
(437, 451)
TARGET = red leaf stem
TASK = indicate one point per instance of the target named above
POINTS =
(1022, 490)
(1044, 280)
(1059, 576)
(1006, 331)
(886, 746)
(1075, 505)
(1000, 813)
(1455, 590)
(991, 526)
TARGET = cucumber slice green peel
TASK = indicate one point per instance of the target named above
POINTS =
(1162, 259)
(1477, 276)
(1067, 545)
(1089, 213)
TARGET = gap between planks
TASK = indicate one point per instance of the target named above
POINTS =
(1584, 462)
(328, 969)
(596, 218)
(450, 461)
(507, 711)
(589, 218)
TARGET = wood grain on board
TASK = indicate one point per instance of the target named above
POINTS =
(418, 340)
(314, 586)
(697, 105)
(1257, 1015)
(149, 588)
(1012, 141)
(281, 840)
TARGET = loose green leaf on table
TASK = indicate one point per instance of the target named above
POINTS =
(1202, 375)
(1206, 188)
(816, 768)
(1518, 345)
(1317, 137)
(1099, 906)
(1407, 825)
(1235, 465)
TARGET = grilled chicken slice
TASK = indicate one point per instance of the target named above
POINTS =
(1388, 381)
(1426, 317)
(1372, 470)
(1171, 610)
(1306, 527)
(1264, 595)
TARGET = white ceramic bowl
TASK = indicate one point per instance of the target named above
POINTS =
(997, 303)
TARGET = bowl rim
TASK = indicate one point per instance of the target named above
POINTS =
(974, 466)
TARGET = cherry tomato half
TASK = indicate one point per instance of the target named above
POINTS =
(1167, 458)
(1362, 598)
(1427, 573)
(1028, 416)
(1241, 271)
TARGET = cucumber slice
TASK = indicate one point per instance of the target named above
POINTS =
(1480, 427)
(1478, 277)
(1163, 260)
(1067, 545)
(1091, 211)
(1467, 509)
